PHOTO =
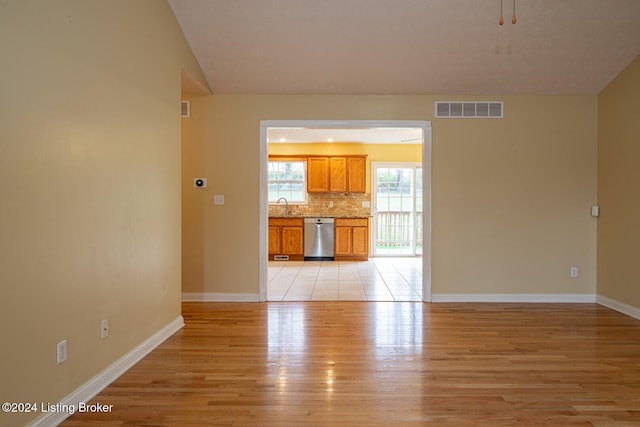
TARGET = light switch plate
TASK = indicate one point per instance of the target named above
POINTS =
(218, 199)
(61, 352)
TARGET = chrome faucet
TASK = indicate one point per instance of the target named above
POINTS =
(286, 206)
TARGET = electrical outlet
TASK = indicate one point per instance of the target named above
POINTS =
(218, 199)
(61, 352)
(331, 203)
(574, 271)
(104, 329)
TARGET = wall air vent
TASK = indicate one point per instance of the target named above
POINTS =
(185, 109)
(470, 109)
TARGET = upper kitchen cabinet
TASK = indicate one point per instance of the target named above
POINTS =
(336, 174)
(356, 176)
(317, 174)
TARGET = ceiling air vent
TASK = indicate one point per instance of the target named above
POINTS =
(469, 109)
(185, 109)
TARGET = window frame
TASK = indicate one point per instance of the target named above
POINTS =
(289, 159)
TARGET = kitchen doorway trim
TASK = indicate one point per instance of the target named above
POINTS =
(346, 124)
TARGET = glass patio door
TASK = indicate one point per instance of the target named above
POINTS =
(397, 209)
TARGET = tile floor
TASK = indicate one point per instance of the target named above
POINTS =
(378, 279)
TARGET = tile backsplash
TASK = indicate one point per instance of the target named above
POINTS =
(344, 205)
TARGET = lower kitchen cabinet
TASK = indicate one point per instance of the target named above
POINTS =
(286, 237)
(351, 239)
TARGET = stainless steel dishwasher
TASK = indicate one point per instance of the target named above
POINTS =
(318, 239)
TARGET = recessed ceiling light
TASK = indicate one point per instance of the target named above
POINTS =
(283, 139)
(329, 139)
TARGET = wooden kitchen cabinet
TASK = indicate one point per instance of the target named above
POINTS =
(336, 174)
(343, 236)
(360, 240)
(317, 174)
(356, 174)
(286, 237)
(292, 240)
(351, 239)
(274, 240)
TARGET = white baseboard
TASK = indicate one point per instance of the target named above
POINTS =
(524, 298)
(623, 308)
(95, 385)
(219, 297)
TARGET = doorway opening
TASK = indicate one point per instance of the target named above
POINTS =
(421, 245)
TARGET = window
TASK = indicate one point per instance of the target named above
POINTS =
(287, 178)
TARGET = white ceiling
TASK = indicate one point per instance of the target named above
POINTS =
(373, 135)
(410, 46)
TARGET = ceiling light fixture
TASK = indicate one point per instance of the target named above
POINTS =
(513, 15)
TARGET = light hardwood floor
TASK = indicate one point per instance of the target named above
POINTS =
(378, 279)
(384, 364)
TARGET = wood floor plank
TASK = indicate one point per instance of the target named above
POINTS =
(384, 363)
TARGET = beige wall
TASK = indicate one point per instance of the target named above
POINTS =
(511, 196)
(619, 187)
(90, 187)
